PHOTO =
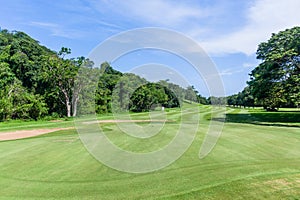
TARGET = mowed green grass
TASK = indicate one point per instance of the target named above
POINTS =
(256, 157)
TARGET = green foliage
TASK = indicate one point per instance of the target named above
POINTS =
(119, 92)
(244, 98)
(20, 59)
(216, 100)
(191, 94)
(16, 102)
(123, 91)
(151, 95)
(84, 89)
(107, 82)
(61, 74)
(28, 106)
(37, 81)
(24, 56)
(275, 82)
(43, 73)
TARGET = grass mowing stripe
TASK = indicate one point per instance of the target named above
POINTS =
(250, 161)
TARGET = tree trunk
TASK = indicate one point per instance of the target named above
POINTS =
(68, 109)
(75, 102)
(68, 104)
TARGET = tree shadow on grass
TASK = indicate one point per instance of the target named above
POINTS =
(284, 119)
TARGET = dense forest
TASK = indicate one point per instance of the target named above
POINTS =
(36, 82)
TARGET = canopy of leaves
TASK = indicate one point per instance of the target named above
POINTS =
(151, 95)
(20, 58)
(36, 81)
(276, 81)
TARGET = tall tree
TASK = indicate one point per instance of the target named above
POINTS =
(124, 89)
(276, 81)
(191, 94)
(106, 84)
(61, 73)
(83, 86)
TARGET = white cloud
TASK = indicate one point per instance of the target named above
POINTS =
(163, 12)
(229, 72)
(44, 24)
(106, 24)
(157, 12)
(57, 29)
(264, 17)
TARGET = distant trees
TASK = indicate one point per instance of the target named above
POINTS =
(126, 87)
(128, 91)
(150, 95)
(242, 99)
(216, 100)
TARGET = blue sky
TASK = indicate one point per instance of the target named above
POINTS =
(228, 30)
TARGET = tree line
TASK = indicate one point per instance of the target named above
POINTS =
(275, 82)
(36, 82)
(127, 91)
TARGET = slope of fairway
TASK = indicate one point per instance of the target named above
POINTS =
(250, 161)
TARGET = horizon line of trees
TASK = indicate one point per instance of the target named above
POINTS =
(36, 82)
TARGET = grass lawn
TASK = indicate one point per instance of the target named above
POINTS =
(256, 157)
